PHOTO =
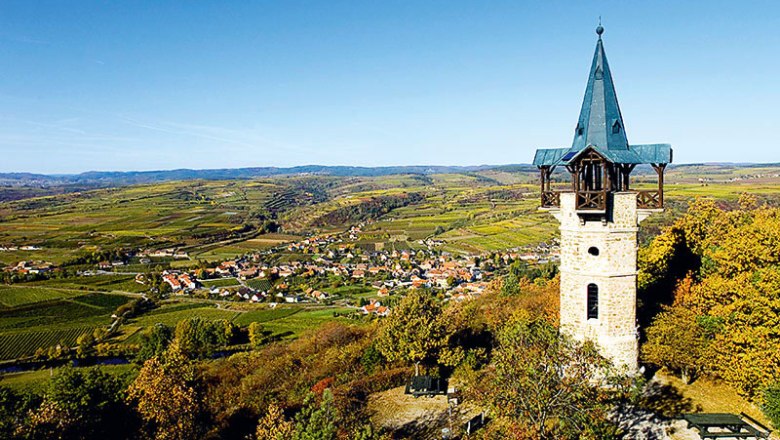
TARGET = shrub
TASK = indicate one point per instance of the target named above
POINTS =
(771, 405)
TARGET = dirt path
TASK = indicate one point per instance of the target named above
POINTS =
(419, 418)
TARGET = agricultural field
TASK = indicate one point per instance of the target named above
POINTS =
(97, 283)
(260, 284)
(295, 324)
(29, 326)
(221, 282)
(284, 321)
(13, 296)
(188, 214)
(36, 380)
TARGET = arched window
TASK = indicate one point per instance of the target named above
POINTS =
(593, 301)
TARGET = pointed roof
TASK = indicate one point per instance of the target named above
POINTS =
(601, 126)
(600, 123)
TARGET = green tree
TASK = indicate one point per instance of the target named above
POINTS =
(15, 407)
(256, 334)
(154, 342)
(771, 404)
(413, 332)
(199, 338)
(85, 344)
(316, 422)
(82, 403)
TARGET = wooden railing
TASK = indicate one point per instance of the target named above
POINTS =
(649, 200)
(591, 201)
(551, 199)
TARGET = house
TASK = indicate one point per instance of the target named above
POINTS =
(319, 296)
(375, 308)
(370, 307)
(292, 298)
(187, 281)
(172, 281)
(248, 273)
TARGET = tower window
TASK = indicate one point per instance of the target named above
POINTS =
(593, 250)
(579, 130)
(616, 127)
(593, 301)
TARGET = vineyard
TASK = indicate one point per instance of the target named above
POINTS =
(17, 345)
(30, 326)
(17, 296)
(259, 284)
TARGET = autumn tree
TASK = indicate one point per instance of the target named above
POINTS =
(413, 332)
(678, 341)
(725, 319)
(541, 382)
(166, 394)
(274, 426)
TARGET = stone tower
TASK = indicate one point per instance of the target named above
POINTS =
(599, 217)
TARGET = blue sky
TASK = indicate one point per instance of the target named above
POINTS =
(141, 85)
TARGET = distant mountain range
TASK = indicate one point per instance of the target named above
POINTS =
(97, 179)
(114, 178)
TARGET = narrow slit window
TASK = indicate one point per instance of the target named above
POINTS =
(593, 301)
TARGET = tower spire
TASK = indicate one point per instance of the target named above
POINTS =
(600, 123)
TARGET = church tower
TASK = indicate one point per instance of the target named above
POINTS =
(599, 217)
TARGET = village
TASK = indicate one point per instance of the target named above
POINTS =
(317, 268)
(324, 269)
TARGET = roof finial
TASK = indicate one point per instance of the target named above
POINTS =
(599, 29)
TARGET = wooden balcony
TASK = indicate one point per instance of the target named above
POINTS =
(551, 199)
(591, 200)
(649, 200)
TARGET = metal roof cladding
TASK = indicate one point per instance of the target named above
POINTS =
(600, 125)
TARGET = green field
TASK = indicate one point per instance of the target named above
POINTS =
(36, 380)
(12, 296)
(98, 283)
(266, 315)
(14, 345)
(32, 325)
(220, 282)
(295, 324)
(172, 316)
(259, 284)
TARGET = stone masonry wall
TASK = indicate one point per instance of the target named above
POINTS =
(613, 270)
